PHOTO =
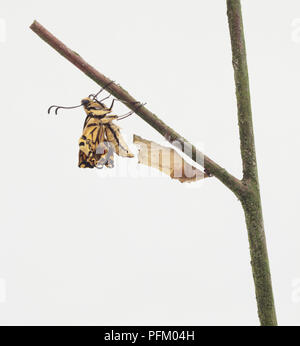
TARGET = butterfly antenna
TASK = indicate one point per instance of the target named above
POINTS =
(58, 107)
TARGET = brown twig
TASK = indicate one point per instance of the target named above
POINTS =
(117, 91)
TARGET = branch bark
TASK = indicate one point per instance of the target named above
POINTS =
(247, 189)
(251, 200)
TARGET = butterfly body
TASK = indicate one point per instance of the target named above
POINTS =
(101, 138)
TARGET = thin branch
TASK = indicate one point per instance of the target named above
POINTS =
(239, 62)
(172, 136)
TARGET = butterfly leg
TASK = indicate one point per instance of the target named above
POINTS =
(132, 111)
(105, 86)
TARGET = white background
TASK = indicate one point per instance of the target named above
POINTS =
(83, 247)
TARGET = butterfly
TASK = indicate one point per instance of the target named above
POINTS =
(101, 138)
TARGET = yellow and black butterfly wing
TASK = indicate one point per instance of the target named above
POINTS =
(95, 150)
(113, 136)
(83, 161)
(93, 135)
(99, 140)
